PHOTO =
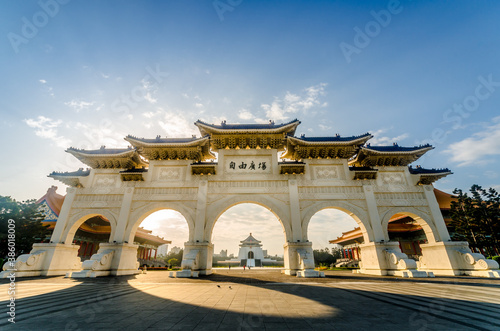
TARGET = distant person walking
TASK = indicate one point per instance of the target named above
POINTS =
(229, 267)
(244, 266)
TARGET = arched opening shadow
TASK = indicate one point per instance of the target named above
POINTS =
(124, 303)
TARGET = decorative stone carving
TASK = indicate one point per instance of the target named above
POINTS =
(326, 172)
(169, 173)
(98, 265)
(400, 265)
(26, 265)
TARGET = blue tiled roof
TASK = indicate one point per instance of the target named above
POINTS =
(395, 148)
(335, 138)
(79, 173)
(102, 150)
(270, 125)
(419, 170)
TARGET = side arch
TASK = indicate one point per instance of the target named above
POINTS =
(358, 214)
(80, 217)
(278, 208)
(136, 217)
(420, 217)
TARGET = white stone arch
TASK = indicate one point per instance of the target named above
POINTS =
(136, 218)
(278, 208)
(80, 217)
(423, 219)
(358, 214)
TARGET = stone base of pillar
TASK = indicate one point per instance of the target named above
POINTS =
(45, 260)
(299, 260)
(197, 258)
(186, 273)
(310, 273)
(99, 264)
(454, 258)
(124, 261)
(386, 259)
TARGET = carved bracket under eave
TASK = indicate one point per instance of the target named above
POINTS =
(361, 173)
(204, 168)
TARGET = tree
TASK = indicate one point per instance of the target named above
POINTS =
(323, 256)
(173, 262)
(26, 228)
(476, 218)
(176, 256)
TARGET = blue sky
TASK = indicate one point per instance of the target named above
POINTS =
(87, 73)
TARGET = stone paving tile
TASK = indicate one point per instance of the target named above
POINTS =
(261, 304)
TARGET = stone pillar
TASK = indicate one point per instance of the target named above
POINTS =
(454, 258)
(437, 216)
(295, 211)
(123, 218)
(201, 208)
(63, 219)
(375, 222)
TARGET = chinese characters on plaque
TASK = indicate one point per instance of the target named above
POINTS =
(248, 165)
(252, 166)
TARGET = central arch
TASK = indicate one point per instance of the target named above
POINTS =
(275, 206)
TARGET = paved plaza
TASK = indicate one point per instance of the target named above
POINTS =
(260, 299)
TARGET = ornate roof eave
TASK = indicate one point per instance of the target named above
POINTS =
(196, 149)
(428, 176)
(70, 178)
(370, 157)
(166, 143)
(110, 159)
(271, 128)
(359, 140)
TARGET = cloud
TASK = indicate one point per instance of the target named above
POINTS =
(151, 114)
(245, 115)
(43, 81)
(324, 127)
(149, 90)
(47, 128)
(94, 136)
(79, 105)
(477, 148)
(281, 108)
(379, 139)
(176, 125)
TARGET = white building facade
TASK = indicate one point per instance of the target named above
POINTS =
(370, 183)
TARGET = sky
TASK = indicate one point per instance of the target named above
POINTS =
(88, 73)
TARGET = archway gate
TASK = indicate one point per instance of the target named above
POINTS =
(370, 183)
